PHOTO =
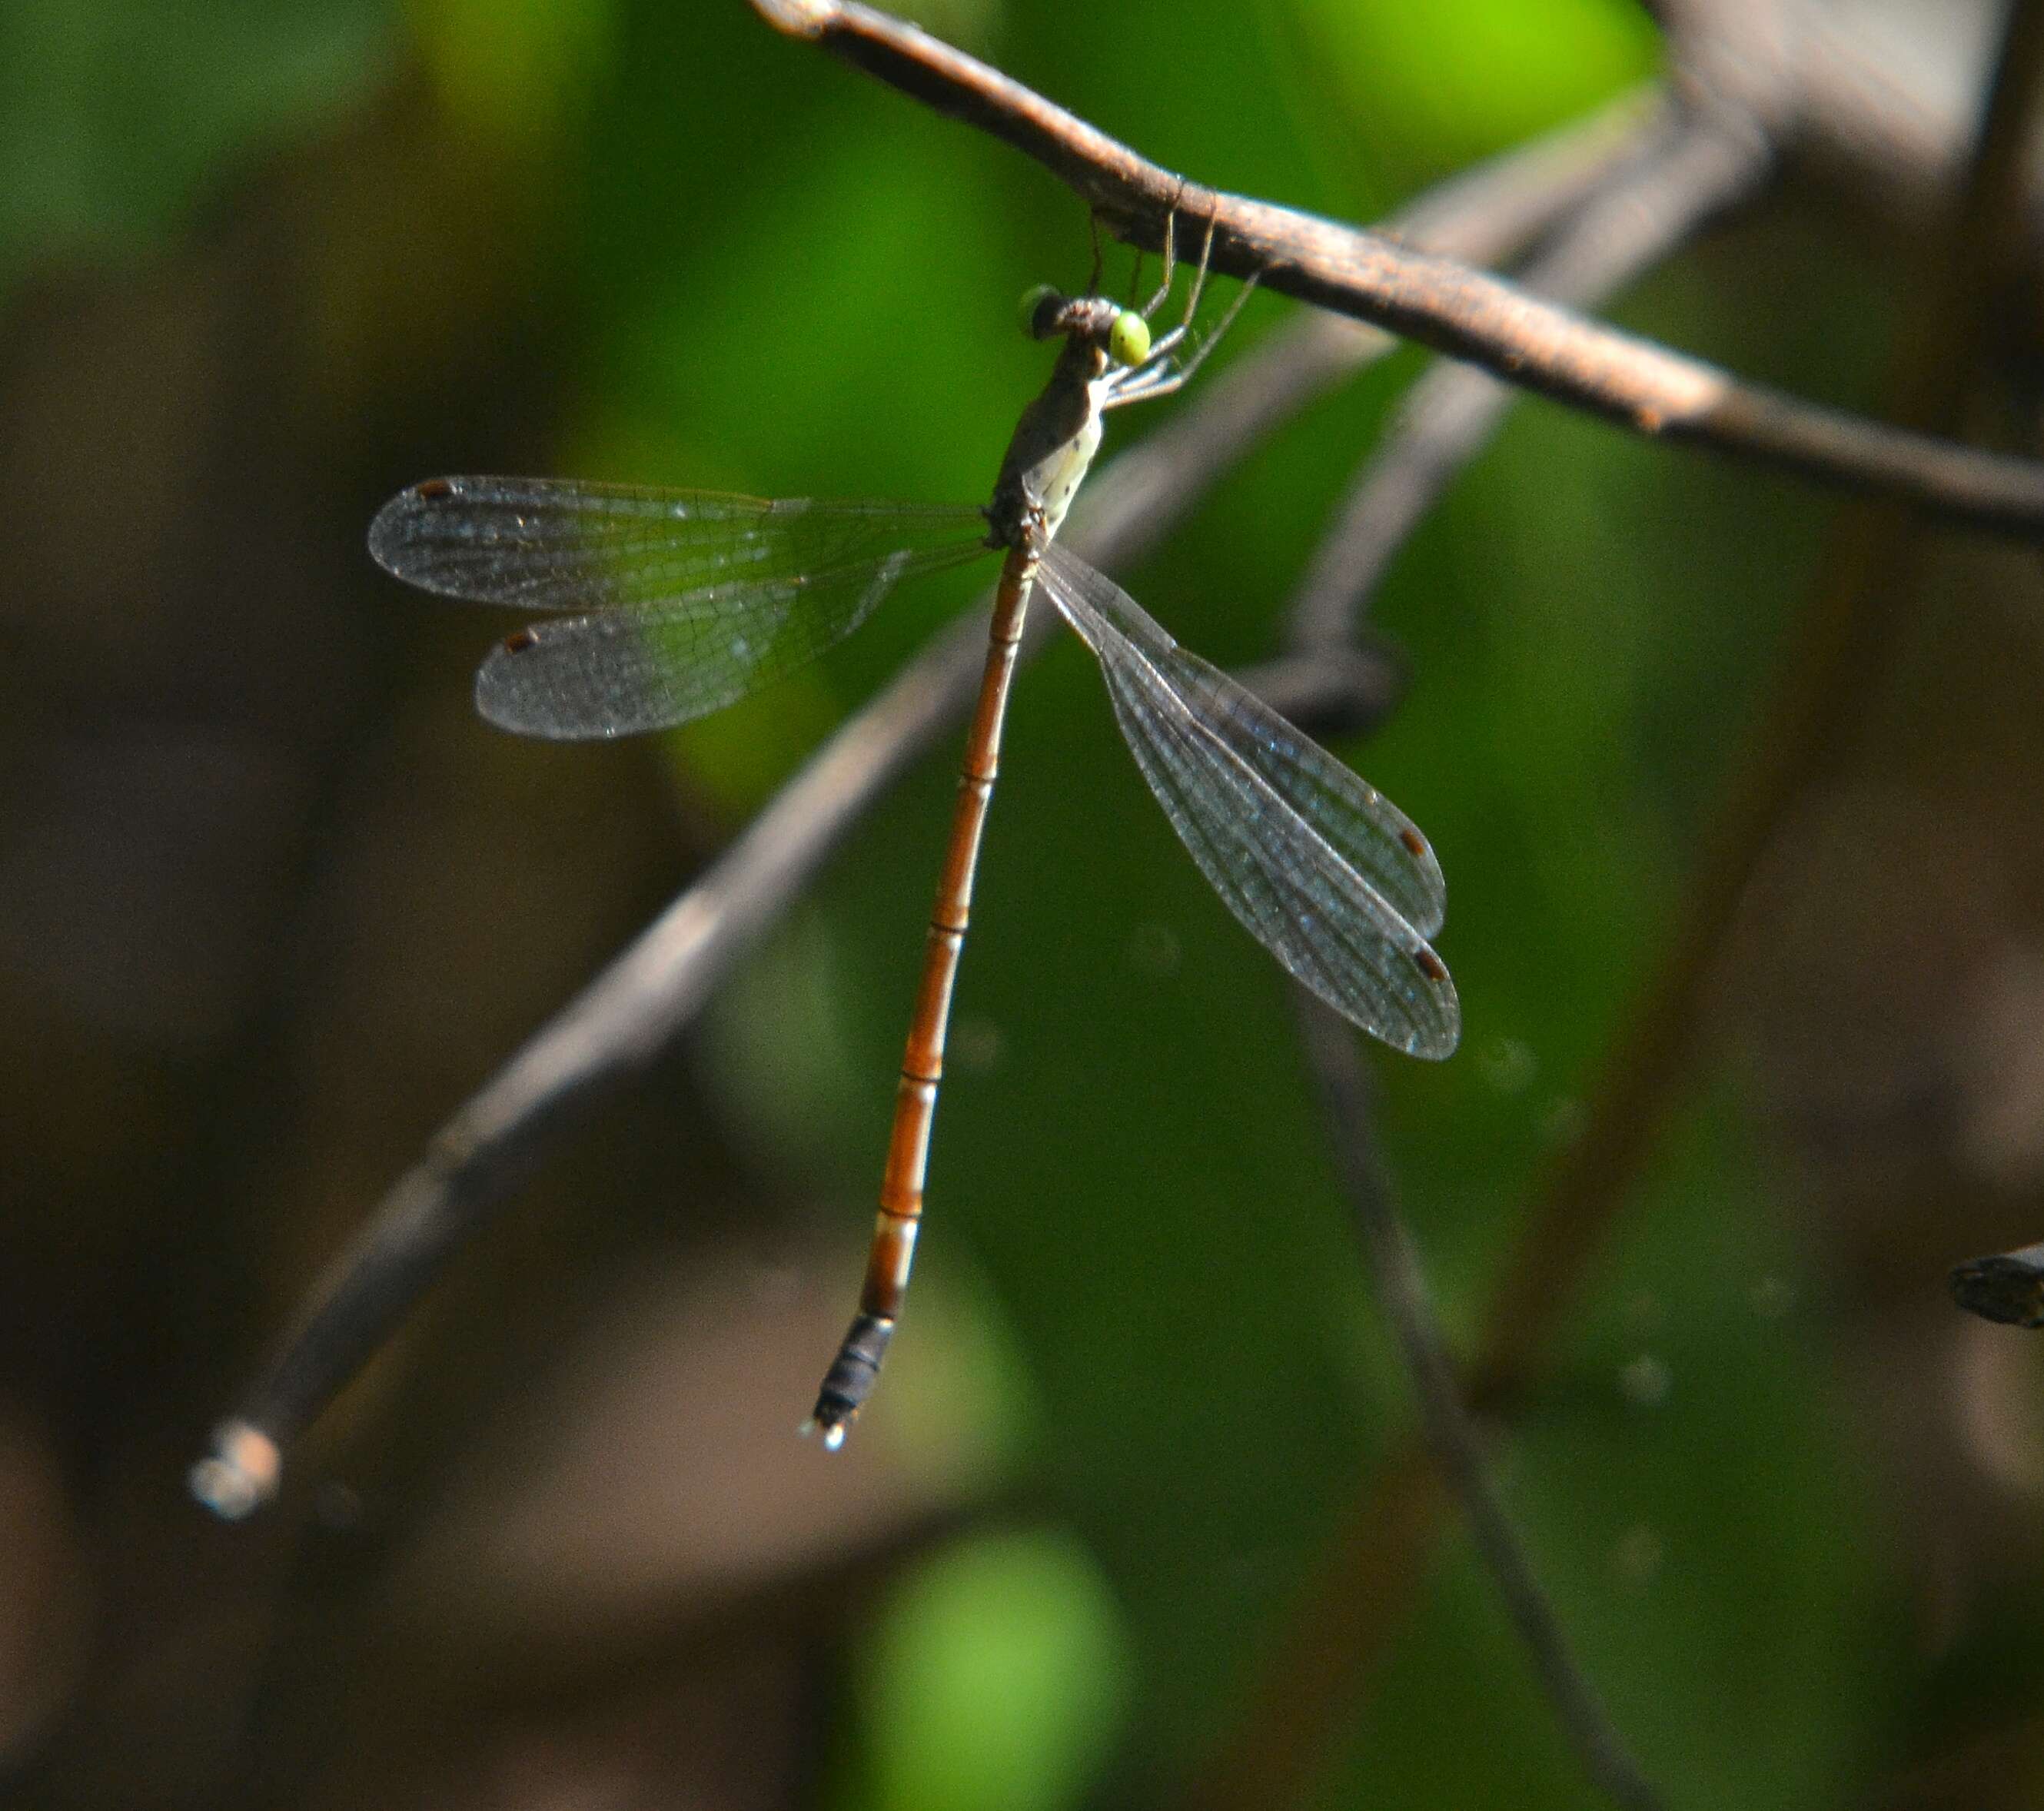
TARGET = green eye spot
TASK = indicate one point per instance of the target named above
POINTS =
(1032, 306)
(1128, 339)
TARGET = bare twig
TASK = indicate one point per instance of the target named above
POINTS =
(1708, 162)
(1455, 309)
(1703, 164)
(644, 998)
(1373, 1577)
(1869, 570)
(1401, 1287)
(1646, 206)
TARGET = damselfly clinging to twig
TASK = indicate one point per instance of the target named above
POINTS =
(679, 602)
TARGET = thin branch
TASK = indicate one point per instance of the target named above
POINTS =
(650, 993)
(1675, 179)
(1870, 570)
(1402, 1291)
(1708, 162)
(1367, 1583)
(1678, 180)
(1462, 312)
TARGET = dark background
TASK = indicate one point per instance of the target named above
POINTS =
(272, 902)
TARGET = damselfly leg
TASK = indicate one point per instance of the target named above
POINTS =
(1165, 370)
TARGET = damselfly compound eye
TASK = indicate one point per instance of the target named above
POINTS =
(1037, 306)
(1128, 339)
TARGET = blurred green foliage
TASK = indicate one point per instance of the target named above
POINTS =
(765, 273)
(118, 120)
(992, 1676)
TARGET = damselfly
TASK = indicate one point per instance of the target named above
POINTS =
(678, 602)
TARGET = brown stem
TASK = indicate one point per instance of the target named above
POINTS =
(1363, 1592)
(1464, 313)
(1704, 163)
(1451, 1433)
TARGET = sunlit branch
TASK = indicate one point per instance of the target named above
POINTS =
(1365, 1587)
(1449, 305)
(1709, 162)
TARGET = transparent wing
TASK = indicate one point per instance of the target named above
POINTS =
(1325, 872)
(693, 598)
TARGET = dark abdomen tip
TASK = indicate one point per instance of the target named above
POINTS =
(850, 1378)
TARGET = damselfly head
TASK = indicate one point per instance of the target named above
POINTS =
(1123, 333)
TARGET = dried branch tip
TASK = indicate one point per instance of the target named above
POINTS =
(798, 18)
